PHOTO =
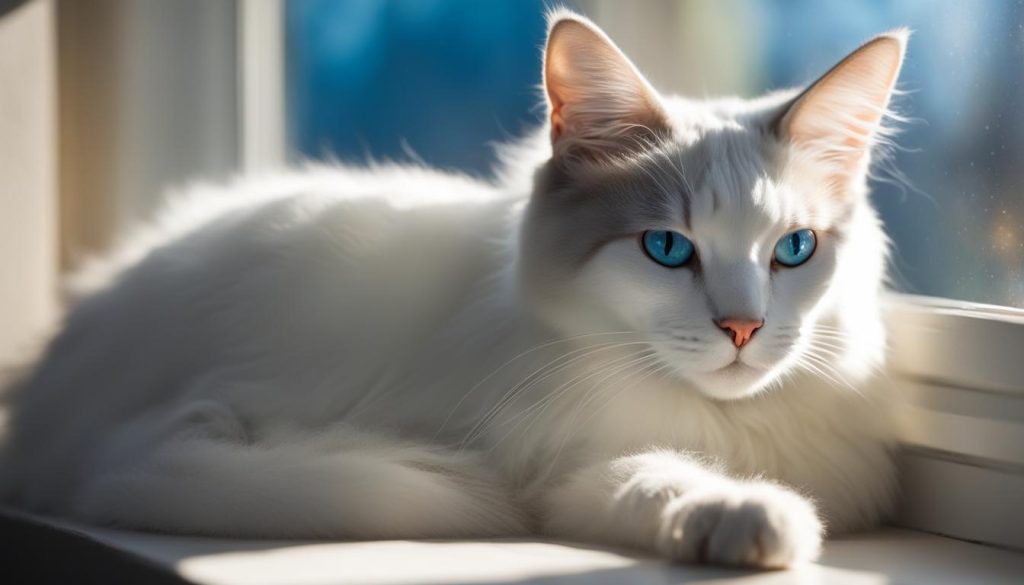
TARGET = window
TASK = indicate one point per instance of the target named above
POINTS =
(957, 219)
(402, 80)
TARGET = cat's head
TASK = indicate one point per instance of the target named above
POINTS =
(735, 235)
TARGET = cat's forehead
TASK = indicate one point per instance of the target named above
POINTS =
(721, 172)
(733, 169)
(722, 176)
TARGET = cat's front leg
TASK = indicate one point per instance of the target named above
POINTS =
(672, 504)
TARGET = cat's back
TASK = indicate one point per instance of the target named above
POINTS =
(305, 244)
(219, 222)
(228, 277)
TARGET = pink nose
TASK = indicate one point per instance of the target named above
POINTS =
(741, 330)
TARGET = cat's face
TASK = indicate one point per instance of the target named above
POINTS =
(716, 231)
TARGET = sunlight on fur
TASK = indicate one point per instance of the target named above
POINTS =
(399, 352)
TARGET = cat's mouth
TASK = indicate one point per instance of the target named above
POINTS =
(735, 380)
(737, 367)
(732, 378)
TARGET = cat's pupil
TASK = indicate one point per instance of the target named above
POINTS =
(669, 241)
(794, 242)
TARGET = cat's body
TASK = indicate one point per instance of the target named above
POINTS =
(399, 352)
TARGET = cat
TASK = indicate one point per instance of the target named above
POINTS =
(659, 327)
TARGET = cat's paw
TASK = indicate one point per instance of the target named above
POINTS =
(751, 525)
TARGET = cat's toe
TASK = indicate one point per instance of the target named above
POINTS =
(753, 525)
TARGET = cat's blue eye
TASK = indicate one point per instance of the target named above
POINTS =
(795, 248)
(671, 249)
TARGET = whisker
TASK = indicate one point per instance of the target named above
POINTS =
(822, 368)
(657, 367)
(509, 362)
(537, 376)
(570, 426)
(591, 394)
(534, 411)
(523, 387)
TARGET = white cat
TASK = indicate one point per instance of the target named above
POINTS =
(658, 329)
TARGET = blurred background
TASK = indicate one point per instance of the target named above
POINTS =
(106, 104)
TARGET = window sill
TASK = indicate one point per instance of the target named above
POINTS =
(885, 556)
(957, 373)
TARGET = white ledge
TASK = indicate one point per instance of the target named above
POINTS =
(882, 557)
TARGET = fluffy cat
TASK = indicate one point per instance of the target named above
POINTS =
(658, 329)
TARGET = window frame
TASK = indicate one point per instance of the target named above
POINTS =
(261, 107)
(957, 373)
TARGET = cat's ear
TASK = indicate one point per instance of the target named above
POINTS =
(600, 105)
(839, 117)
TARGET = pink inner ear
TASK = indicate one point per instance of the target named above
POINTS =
(600, 104)
(556, 129)
(841, 113)
(557, 125)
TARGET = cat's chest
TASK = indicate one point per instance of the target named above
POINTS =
(771, 434)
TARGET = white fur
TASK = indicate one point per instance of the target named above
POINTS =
(395, 352)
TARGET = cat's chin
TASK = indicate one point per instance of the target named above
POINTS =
(733, 382)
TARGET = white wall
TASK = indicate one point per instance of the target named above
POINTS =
(148, 100)
(687, 48)
(28, 159)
